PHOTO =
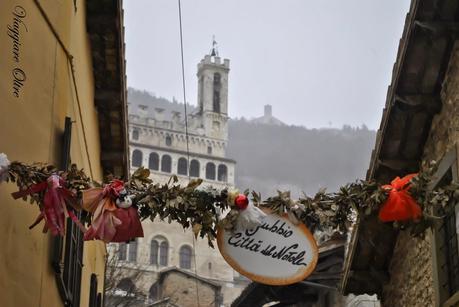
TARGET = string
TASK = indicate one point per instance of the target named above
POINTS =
(187, 139)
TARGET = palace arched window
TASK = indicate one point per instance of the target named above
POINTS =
(154, 252)
(137, 158)
(132, 251)
(216, 96)
(166, 164)
(159, 251)
(222, 173)
(210, 171)
(122, 249)
(182, 167)
(194, 168)
(163, 253)
(185, 255)
(135, 134)
(127, 251)
(168, 140)
(153, 161)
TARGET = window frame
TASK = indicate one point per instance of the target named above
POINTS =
(122, 252)
(222, 173)
(443, 297)
(154, 260)
(168, 140)
(73, 261)
(135, 151)
(195, 162)
(211, 174)
(182, 166)
(135, 134)
(166, 168)
(132, 251)
(151, 162)
(216, 98)
(163, 259)
(67, 254)
(182, 255)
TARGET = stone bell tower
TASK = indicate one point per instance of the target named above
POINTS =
(213, 94)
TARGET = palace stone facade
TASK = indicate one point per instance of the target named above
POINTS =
(158, 141)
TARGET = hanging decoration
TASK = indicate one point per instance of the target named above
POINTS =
(400, 206)
(275, 252)
(55, 199)
(116, 207)
(113, 218)
(248, 216)
(4, 164)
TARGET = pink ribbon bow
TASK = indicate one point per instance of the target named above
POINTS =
(55, 200)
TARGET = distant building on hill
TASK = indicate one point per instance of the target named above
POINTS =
(158, 141)
(268, 118)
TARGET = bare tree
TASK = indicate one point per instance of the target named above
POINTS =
(121, 278)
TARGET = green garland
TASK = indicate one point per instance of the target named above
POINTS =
(198, 208)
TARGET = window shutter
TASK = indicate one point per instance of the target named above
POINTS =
(93, 299)
(56, 255)
(68, 270)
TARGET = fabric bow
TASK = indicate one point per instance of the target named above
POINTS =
(399, 206)
(55, 199)
(249, 216)
(110, 223)
(4, 164)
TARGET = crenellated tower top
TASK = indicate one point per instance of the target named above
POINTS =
(213, 93)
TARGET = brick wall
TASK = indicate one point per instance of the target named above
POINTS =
(411, 269)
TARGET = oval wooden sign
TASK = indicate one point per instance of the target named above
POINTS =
(277, 252)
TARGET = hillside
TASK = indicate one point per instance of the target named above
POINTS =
(297, 159)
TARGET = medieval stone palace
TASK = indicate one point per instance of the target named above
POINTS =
(174, 266)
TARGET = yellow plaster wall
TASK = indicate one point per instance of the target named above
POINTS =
(30, 127)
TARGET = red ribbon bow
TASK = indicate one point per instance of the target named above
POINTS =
(110, 223)
(55, 200)
(400, 206)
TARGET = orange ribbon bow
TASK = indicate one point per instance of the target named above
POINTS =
(400, 206)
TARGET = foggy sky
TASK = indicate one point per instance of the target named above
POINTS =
(318, 63)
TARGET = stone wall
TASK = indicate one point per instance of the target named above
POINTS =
(445, 126)
(184, 291)
(411, 281)
(150, 134)
(411, 269)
